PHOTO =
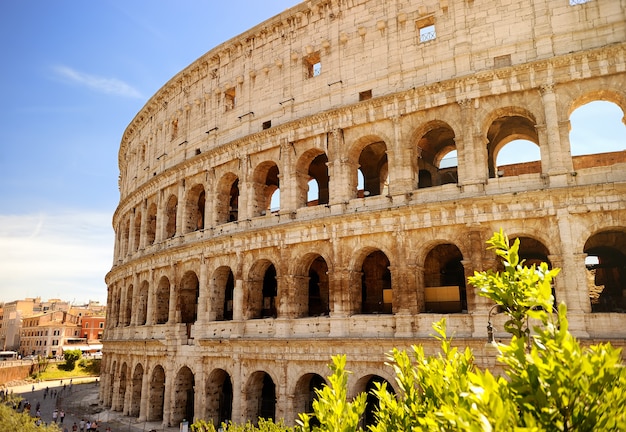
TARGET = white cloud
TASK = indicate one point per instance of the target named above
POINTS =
(98, 83)
(63, 255)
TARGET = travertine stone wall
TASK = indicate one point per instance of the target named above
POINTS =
(227, 303)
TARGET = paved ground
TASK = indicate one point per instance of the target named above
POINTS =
(79, 401)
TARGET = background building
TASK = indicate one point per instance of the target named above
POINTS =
(325, 183)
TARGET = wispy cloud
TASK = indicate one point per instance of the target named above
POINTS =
(55, 256)
(97, 83)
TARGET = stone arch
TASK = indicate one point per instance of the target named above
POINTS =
(121, 390)
(137, 231)
(606, 103)
(151, 223)
(156, 396)
(188, 295)
(142, 303)
(135, 392)
(312, 179)
(260, 397)
(504, 125)
(367, 384)
(312, 287)
(265, 183)
(227, 199)
(124, 250)
(606, 270)
(305, 392)
(219, 397)
(369, 154)
(195, 203)
(222, 293)
(260, 297)
(444, 279)
(435, 140)
(182, 406)
(171, 208)
(162, 300)
(128, 305)
(374, 295)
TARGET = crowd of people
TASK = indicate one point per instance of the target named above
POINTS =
(56, 397)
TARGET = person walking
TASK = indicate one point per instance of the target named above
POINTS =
(61, 416)
(55, 415)
(82, 425)
(74, 427)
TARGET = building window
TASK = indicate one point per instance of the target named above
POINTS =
(86, 325)
(578, 2)
(426, 28)
(101, 325)
(365, 95)
(230, 98)
(313, 65)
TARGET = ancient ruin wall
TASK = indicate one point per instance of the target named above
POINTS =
(211, 295)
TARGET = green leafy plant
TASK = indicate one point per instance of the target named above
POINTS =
(332, 409)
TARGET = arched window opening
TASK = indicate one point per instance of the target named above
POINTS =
(156, 397)
(270, 290)
(135, 391)
(137, 231)
(376, 294)
(518, 157)
(142, 303)
(597, 128)
(504, 130)
(444, 280)
(533, 252)
(606, 271)
(170, 216)
(373, 166)
(261, 397)
(318, 192)
(126, 238)
(436, 157)
(188, 298)
(151, 224)
(128, 305)
(119, 406)
(161, 312)
(233, 202)
(266, 187)
(275, 201)
(305, 394)
(223, 291)
(319, 300)
(194, 209)
(219, 398)
(371, 404)
(183, 406)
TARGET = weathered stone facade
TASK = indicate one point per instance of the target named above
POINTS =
(222, 306)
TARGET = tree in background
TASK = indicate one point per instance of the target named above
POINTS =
(71, 357)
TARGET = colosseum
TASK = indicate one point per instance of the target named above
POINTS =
(325, 183)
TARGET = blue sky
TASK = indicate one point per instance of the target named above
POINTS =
(74, 74)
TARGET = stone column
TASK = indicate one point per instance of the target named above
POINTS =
(471, 149)
(402, 165)
(152, 287)
(560, 159)
(238, 300)
(145, 390)
(204, 295)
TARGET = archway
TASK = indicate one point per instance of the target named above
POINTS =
(182, 407)
(162, 306)
(444, 280)
(376, 294)
(156, 396)
(606, 270)
(260, 397)
(219, 396)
